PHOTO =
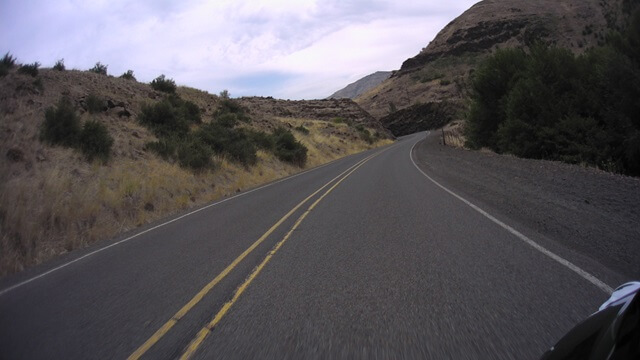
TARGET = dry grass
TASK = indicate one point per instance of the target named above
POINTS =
(454, 134)
(328, 141)
(52, 201)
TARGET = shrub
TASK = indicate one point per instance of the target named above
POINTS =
(288, 149)
(163, 84)
(95, 141)
(338, 120)
(262, 140)
(128, 75)
(234, 143)
(59, 65)
(8, 61)
(95, 104)
(366, 136)
(99, 68)
(187, 109)
(229, 106)
(194, 154)
(165, 148)
(224, 94)
(302, 129)
(29, 69)
(228, 120)
(164, 119)
(61, 125)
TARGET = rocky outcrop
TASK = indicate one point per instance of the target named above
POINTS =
(327, 109)
(419, 117)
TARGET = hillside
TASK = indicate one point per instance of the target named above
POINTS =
(440, 72)
(53, 200)
(361, 86)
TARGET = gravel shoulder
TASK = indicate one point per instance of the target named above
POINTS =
(591, 212)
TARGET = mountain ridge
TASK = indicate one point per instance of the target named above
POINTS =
(361, 85)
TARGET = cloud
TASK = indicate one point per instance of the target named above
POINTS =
(285, 48)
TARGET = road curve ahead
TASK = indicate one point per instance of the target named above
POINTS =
(364, 257)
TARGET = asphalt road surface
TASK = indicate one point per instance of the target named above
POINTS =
(366, 257)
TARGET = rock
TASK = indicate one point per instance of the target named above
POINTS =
(15, 155)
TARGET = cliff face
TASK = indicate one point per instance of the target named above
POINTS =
(440, 72)
(361, 86)
(327, 109)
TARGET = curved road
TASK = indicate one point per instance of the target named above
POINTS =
(364, 257)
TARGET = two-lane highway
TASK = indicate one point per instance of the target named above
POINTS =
(364, 257)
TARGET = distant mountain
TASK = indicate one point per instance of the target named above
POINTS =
(361, 86)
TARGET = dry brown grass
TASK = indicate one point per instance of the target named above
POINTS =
(52, 201)
(454, 134)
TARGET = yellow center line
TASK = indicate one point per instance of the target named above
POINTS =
(204, 332)
(205, 290)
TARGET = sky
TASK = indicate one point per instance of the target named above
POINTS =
(288, 49)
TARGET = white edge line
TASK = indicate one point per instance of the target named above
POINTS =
(592, 279)
(20, 284)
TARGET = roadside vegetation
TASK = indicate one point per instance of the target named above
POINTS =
(550, 104)
(62, 127)
(183, 137)
(104, 158)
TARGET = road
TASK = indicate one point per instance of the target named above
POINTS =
(365, 257)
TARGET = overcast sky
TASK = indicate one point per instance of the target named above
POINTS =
(290, 49)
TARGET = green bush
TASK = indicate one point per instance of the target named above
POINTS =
(194, 154)
(29, 69)
(95, 141)
(163, 84)
(59, 65)
(165, 148)
(164, 119)
(491, 83)
(187, 109)
(94, 104)
(236, 144)
(288, 149)
(262, 140)
(99, 68)
(8, 61)
(230, 106)
(366, 136)
(61, 125)
(128, 75)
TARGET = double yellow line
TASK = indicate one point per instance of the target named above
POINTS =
(202, 334)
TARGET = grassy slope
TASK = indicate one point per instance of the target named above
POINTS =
(53, 201)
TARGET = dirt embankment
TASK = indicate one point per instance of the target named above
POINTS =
(589, 211)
